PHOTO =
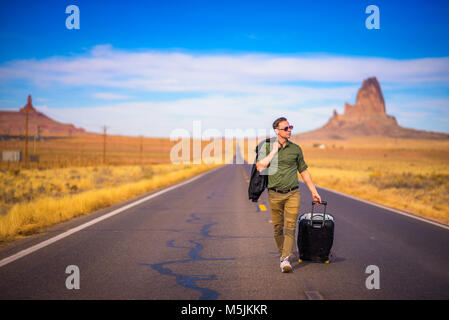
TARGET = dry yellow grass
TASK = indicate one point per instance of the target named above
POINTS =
(99, 191)
(24, 185)
(409, 175)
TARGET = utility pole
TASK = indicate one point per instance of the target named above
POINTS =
(37, 138)
(104, 145)
(26, 136)
(141, 149)
(27, 108)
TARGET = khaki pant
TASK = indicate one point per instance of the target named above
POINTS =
(284, 214)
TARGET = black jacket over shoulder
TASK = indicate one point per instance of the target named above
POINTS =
(258, 181)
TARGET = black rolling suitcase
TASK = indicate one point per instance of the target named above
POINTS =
(315, 235)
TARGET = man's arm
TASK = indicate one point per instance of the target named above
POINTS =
(262, 164)
(308, 181)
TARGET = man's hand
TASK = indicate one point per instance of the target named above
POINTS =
(316, 197)
(262, 164)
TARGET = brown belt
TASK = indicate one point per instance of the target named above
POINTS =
(284, 191)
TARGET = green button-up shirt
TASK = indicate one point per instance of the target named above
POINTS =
(282, 170)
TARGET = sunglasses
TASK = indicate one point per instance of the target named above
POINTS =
(286, 128)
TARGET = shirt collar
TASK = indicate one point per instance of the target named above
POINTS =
(287, 142)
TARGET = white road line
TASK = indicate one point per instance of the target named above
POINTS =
(63, 235)
(386, 208)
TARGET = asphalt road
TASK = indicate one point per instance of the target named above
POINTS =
(206, 240)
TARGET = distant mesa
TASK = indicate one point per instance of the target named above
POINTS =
(367, 117)
(13, 123)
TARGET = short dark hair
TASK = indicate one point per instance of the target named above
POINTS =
(277, 121)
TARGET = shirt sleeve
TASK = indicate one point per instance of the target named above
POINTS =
(301, 163)
(260, 154)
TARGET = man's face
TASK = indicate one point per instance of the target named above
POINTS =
(284, 134)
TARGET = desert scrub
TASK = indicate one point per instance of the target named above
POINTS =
(409, 180)
(424, 191)
(33, 202)
(18, 186)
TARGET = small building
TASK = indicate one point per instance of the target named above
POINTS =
(319, 146)
(12, 155)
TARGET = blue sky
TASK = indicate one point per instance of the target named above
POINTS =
(229, 64)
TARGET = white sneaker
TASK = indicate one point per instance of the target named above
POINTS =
(285, 265)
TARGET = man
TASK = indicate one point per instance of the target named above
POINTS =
(285, 158)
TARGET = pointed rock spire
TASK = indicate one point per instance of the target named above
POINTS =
(367, 117)
(370, 101)
(29, 106)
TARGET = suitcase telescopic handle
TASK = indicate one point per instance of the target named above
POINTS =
(324, 203)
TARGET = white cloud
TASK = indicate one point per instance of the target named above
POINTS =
(232, 91)
(109, 96)
(182, 72)
(214, 111)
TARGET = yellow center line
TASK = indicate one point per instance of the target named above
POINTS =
(245, 175)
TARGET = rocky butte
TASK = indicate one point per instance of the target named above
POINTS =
(367, 117)
(13, 123)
